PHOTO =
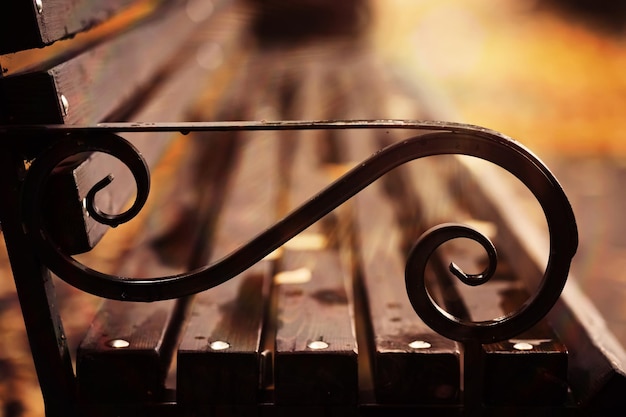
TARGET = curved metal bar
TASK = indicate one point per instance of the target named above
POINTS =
(122, 150)
(447, 232)
(476, 142)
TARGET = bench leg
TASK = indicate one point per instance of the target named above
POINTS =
(36, 296)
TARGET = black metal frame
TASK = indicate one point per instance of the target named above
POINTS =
(25, 167)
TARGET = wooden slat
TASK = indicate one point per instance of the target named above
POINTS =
(596, 360)
(181, 242)
(512, 377)
(316, 358)
(530, 369)
(99, 81)
(35, 23)
(402, 374)
(171, 101)
(209, 372)
(125, 357)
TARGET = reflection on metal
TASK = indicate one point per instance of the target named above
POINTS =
(430, 138)
(118, 343)
(419, 344)
(219, 345)
(523, 346)
(318, 345)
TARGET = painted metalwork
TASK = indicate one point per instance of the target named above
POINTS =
(429, 138)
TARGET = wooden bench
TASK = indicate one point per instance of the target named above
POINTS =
(318, 319)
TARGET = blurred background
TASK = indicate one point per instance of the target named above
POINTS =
(549, 73)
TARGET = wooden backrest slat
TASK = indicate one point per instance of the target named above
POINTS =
(93, 85)
(37, 23)
(170, 99)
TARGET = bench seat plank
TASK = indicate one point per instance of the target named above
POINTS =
(122, 360)
(530, 369)
(429, 372)
(181, 223)
(220, 353)
(316, 358)
(596, 361)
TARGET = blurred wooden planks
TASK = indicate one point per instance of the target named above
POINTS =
(316, 357)
(219, 358)
(112, 82)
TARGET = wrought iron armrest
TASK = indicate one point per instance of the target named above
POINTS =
(432, 138)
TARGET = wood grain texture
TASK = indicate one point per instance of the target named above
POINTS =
(596, 361)
(402, 374)
(316, 356)
(232, 313)
(180, 243)
(531, 368)
(170, 99)
(24, 26)
(136, 370)
(100, 80)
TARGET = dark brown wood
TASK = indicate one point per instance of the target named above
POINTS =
(596, 360)
(428, 373)
(34, 24)
(182, 242)
(126, 353)
(530, 369)
(169, 100)
(316, 357)
(219, 358)
(98, 81)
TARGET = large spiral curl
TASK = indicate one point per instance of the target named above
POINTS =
(475, 142)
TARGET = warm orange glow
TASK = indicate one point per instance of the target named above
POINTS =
(541, 77)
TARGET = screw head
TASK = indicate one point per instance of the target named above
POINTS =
(419, 344)
(318, 345)
(118, 343)
(219, 345)
(65, 105)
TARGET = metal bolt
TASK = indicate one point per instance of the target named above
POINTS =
(39, 5)
(118, 343)
(65, 105)
(523, 346)
(219, 345)
(419, 344)
(318, 345)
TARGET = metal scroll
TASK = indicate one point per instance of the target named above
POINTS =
(432, 138)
